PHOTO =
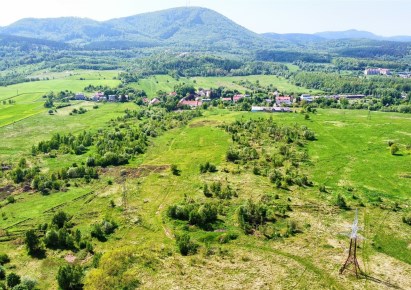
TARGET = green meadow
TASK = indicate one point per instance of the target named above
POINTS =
(350, 157)
(27, 97)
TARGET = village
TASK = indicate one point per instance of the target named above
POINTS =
(274, 103)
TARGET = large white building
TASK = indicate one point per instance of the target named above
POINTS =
(377, 71)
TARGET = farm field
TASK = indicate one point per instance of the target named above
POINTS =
(350, 157)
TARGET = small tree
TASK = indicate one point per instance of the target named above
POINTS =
(70, 277)
(12, 280)
(51, 239)
(28, 283)
(60, 219)
(32, 242)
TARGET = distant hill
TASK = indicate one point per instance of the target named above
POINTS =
(188, 26)
(357, 34)
(294, 37)
(348, 34)
(332, 35)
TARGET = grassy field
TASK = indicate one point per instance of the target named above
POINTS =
(27, 97)
(350, 157)
(18, 137)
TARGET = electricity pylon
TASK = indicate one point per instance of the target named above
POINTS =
(352, 255)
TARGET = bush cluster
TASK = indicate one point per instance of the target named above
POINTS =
(202, 215)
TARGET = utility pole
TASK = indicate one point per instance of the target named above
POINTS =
(352, 255)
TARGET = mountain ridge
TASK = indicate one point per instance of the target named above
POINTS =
(165, 27)
(189, 27)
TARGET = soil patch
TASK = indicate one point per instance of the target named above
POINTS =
(141, 171)
(70, 258)
(6, 191)
(204, 123)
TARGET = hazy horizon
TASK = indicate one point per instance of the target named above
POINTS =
(381, 17)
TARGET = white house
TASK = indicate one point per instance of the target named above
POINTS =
(306, 97)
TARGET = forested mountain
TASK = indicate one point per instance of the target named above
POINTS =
(28, 43)
(194, 27)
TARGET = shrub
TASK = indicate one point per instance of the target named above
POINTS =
(51, 239)
(11, 199)
(225, 238)
(28, 283)
(12, 280)
(108, 227)
(251, 215)
(4, 259)
(291, 228)
(91, 162)
(96, 260)
(70, 277)
(207, 167)
(102, 230)
(407, 220)
(206, 191)
(394, 149)
(232, 155)
(2, 273)
(186, 246)
(174, 170)
(201, 215)
(60, 219)
(97, 232)
(341, 203)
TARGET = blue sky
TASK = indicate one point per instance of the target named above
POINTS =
(383, 17)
